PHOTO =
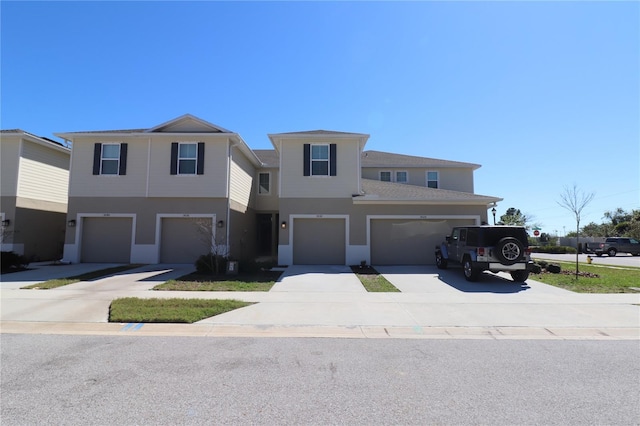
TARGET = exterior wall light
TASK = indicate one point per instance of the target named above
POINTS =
(493, 212)
(6, 223)
(283, 225)
(220, 223)
(71, 223)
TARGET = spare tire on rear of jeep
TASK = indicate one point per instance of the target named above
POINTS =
(509, 251)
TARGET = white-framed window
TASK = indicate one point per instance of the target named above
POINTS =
(319, 160)
(433, 179)
(187, 158)
(385, 176)
(264, 183)
(402, 176)
(110, 159)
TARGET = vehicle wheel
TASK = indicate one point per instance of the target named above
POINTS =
(441, 262)
(611, 252)
(509, 250)
(520, 276)
(470, 273)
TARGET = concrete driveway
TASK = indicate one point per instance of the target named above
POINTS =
(330, 301)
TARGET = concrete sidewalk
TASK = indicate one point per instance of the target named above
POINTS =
(317, 301)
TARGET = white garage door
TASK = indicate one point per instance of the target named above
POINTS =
(408, 241)
(106, 239)
(319, 242)
(183, 240)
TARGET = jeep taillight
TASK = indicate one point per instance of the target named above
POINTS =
(527, 251)
(480, 251)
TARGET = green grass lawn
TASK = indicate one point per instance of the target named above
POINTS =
(608, 280)
(259, 281)
(46, 285)
(372, 281)
(133, 309)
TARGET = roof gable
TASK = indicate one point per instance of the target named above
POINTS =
(187, 124)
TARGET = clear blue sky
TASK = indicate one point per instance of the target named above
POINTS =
(541, 94)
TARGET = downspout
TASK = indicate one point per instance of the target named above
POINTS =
(230, 153)
(148, 165)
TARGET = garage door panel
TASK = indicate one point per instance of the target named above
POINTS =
(183, 240)
(408, 242)
(319, 242)
(106, 239)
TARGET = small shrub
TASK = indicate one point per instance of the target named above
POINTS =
(252, 266)
(536, 269)
(211, 264)
(553, 249)
(11, 261)
(553, 268)
(543, 263)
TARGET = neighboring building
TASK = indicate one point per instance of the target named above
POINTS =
(143, 195)
(34, 182)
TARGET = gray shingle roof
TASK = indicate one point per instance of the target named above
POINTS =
(113, 131)
(318, 132)
(388, 159)
(389, 191)
(269, 157)
(19, 131)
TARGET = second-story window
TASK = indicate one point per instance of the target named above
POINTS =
(401, 177)
(385, 176)
(110, 159)
(432, 180)
(264, 183)
(187, 158)
(319, 160)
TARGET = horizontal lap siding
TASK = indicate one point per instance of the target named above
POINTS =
(44, 174)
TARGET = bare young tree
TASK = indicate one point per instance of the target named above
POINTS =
(215, 241)
(575, 200)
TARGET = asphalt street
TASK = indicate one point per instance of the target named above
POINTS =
(105, 380)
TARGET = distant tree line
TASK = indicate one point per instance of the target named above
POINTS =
(617, 223)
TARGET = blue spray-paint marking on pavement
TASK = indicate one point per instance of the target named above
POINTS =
(129, 325)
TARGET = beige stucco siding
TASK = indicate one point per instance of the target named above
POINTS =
(454, 179)
(295, 185)
(241, 178)
(83, 183)
(358, 213)
(9, 161)
(145, 210)
(213, 183)
(149, 169)
(44, 173)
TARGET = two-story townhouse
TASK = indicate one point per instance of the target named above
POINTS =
(34, 183)
(177, 190)
(165, 194)
(341, 205)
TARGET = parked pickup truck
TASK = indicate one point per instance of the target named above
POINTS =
(613, 246)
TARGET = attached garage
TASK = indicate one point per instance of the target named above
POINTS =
(319, 241)
(183, 240)
(106, 239)
(408, 241)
